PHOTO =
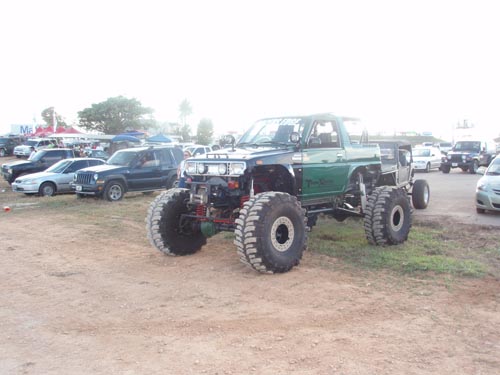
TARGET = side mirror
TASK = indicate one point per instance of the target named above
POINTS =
(294, 137)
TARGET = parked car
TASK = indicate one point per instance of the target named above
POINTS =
(444, 147)
(99, 154)
(38, 143)
(198, 149)
(488, 188)
(469, 155)
(41, 161)
(55, 179)
(426, 158)
(134, 169)
(7, 145)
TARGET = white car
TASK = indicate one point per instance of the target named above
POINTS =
(38, 144)
(426, 158)
(55, 179)
(488, 189)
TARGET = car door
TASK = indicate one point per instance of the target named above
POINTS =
(64, 178)
(145, 172)
(325, 167)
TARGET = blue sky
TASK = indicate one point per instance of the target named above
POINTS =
(399, 65)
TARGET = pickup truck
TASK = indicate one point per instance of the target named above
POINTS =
(270, 187)
(143, 169)
(40, 161)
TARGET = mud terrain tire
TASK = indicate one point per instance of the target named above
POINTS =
(164, 228)
(271, 232)
(420, 194)
(387, 218)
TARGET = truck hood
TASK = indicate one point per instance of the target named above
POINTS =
(105, 168)
(21, 164)
(465, 152)
(243, 153)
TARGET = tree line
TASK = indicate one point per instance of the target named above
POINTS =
(119, 114)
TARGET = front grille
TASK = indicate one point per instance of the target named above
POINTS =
(496, 191)
(84, 178)
(496, 205)
(456, 158)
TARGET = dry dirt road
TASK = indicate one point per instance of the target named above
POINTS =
(76, 300)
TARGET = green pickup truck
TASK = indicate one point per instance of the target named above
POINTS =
(270, 187)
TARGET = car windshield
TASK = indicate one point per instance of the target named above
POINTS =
(421, 152)
(31, 143)
(123, 157)
(494, 168)
(275, 131)
(468, 146)
(59, 167)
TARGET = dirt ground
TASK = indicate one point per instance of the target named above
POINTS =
(74, 300)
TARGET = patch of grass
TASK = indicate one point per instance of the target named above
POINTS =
(425, 251)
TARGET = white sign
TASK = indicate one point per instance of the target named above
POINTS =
(22, 129)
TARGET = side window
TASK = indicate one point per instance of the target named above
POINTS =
(76, 166)
(165, 157)
(324, 134)
(93, 162)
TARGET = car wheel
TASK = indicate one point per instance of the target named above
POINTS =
(114, 191)
(47, 189)
(474, 167)
(169, 227)
(445, 168)
(387, 218)
(428, 168)
(420, 194)
(271, 233)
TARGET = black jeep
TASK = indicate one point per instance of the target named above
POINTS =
(134, 169)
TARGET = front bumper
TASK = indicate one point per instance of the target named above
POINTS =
(465, 164)
(488, 200)
(25, 188)
(94, 189)
(22, 153)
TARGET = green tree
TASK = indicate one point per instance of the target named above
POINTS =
(185, 110)
(205, 131)
(48, 115)
(115, 115)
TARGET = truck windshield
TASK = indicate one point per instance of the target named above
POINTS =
(272, 131)
(122, 158)
(468, 146)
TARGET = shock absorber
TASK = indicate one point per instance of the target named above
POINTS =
(201, 210)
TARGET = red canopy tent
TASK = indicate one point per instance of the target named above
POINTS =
(70, 130)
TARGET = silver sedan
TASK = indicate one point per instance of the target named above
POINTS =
(54, 180)
(488, 188)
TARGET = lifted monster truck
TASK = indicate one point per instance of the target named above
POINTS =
(271, 186)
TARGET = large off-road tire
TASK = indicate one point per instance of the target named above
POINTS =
(445, 168)
(114, 191)
(474, 166)
(166, 231)
(420, 194)
(47, 189)
(271, 232)
(387, 218)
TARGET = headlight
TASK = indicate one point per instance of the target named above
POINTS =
(200, 168)
(482, 186)
(96, 177)
(448, 157)
(236, 168)
(191, 167)
(9, 170)
(222, 168)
